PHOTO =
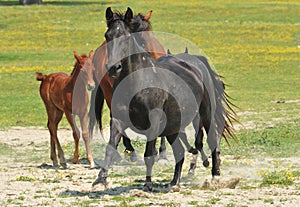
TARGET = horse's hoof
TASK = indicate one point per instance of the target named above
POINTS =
(216, 172)
(162, 156)
(192, 169)
(205, 163)
(191, 172)
(64, 165)
(133, 157)
(92, 165)
(100, 180)
(75, 160)
(193, 151)
(147, 187)
(175, 188)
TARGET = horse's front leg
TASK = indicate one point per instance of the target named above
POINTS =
(149, 158)
(111, 151)
(86, 137)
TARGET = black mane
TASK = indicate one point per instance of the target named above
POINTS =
(137, 24)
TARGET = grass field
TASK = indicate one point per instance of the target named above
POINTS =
(255, 45)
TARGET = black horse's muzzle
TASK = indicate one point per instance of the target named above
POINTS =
(114, 70)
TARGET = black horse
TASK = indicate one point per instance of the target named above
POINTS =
(139, 23)
(160, 98)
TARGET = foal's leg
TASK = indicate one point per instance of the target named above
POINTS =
(54, 117)
(85, 134)
(76, 135)
(178, 152)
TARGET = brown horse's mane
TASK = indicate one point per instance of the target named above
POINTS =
(140, 24)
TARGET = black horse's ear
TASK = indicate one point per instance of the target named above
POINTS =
(168, 52)
(109, 14)
(128, 14)
(186, 50)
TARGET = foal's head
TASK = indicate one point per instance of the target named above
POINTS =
(87, 69)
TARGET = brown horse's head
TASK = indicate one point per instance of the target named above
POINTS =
(87, 69)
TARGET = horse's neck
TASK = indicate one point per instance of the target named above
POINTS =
(154, 47)
(74, 75)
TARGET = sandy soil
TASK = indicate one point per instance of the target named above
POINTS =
(28, 179)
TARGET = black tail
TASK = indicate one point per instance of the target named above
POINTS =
(95, 112)
(227, 114)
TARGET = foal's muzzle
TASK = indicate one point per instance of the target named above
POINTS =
(91, 86)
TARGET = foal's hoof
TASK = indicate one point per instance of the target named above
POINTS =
(64, 165)
(205, 163)
(147, 187)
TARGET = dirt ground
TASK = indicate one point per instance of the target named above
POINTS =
(28, 179)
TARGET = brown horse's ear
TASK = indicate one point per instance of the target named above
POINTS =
(77, 57)
(109, 14)
(91, 53)
(128, 15)
(148, 15)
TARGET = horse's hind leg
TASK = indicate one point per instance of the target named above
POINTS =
(199, 134)
(213, 147)
(129, 148)
(178, 152)
(86, 138)
(162, 149)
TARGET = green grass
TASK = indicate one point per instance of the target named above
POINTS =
(254, 44)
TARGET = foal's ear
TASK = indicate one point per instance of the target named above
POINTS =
(77, 57)
(91, 53)
(128, 14)
(148, 15)
(109, 14)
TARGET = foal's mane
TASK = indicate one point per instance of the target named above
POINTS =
(84, 56)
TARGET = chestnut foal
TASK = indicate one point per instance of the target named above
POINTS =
(63, 93)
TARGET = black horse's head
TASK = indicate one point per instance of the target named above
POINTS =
(123, 30)
(117, 36)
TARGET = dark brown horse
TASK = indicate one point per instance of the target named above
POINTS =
(140, 23)
(160, 98)
(63, 93)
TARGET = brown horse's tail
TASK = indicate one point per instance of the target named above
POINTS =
(40, 76)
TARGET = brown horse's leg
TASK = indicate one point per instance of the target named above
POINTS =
(86, 138)
(54, 117)
(76, 132)
(52, 144)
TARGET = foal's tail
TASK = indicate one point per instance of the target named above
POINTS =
(40, 76)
